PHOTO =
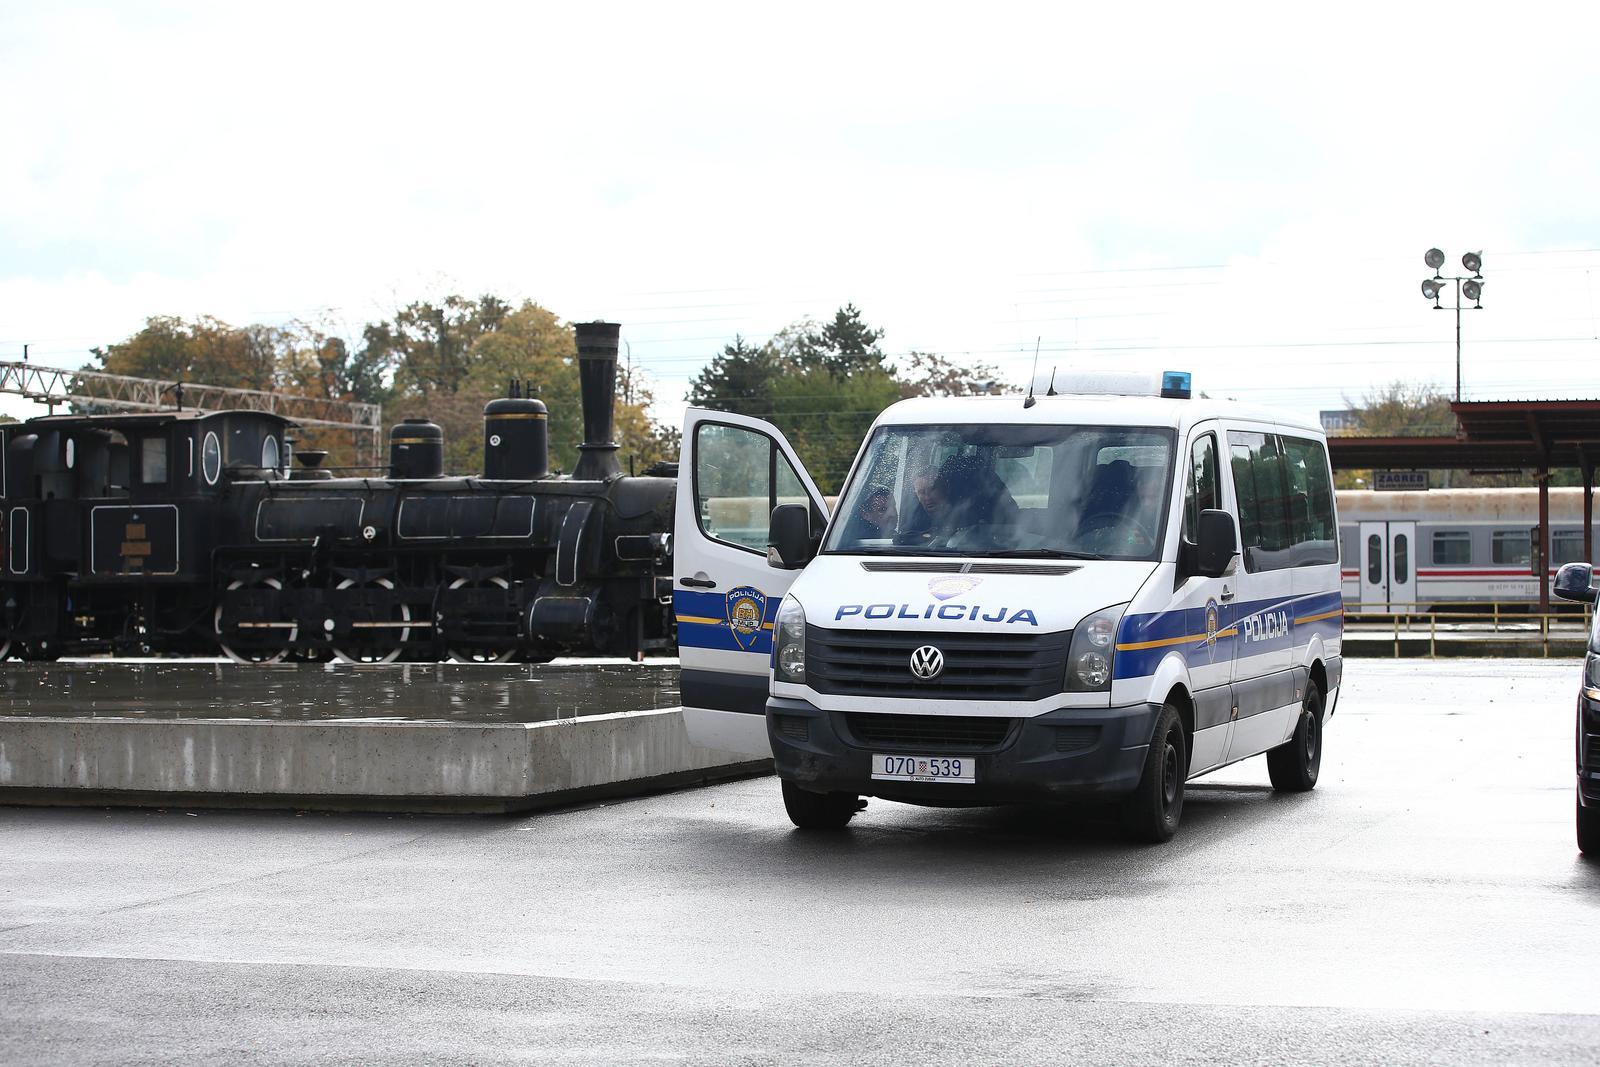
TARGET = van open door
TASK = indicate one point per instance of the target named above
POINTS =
(733, 471)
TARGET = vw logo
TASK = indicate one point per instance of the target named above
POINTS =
(927, 663)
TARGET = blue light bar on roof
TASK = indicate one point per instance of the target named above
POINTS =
(1175, 384)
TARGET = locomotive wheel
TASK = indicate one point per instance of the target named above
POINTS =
(376, 644)
(269, 649)
(481, 655)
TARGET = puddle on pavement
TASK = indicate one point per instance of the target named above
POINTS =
(417, 692)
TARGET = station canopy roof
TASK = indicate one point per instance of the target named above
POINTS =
(1492, 435)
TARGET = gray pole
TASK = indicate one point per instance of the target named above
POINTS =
(1458, 340)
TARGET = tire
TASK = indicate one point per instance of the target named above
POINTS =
(1589, 830)
(1293, 765)
(1153, 811)
(818, 811)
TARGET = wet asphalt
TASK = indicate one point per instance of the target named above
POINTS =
(1425, 904)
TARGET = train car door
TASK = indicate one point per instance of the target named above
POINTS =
(733, 471)
(1388, 567)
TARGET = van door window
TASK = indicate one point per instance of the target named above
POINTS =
(1260, 485)
(739, 477)
(1201, 494)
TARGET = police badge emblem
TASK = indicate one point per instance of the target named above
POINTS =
(1211, 625)
(946, 588)
(747, 614)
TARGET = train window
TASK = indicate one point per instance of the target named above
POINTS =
(1452, 546)
(1201, 494)
(153, 460)
(1566, 546)
(211, 458)
(739, 477)
(269, 454)
(1374, 560)
(1402, 558)
(1512, 547)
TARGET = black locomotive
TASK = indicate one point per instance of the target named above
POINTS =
(185, 532)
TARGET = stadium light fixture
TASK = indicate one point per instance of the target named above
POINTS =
(1471, 288)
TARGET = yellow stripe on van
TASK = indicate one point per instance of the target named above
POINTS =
(1136, 646)
(1319, 618)
(703, 620)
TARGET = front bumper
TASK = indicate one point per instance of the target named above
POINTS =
(1071, 754)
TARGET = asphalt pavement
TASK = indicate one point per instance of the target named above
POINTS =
(1425, 904)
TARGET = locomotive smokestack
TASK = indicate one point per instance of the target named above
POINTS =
(597, 377)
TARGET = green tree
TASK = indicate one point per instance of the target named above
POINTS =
(427, 347)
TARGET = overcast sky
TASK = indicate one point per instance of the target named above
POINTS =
(1246, 193)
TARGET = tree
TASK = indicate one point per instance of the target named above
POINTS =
(204, 350)
(930, 374)
(428, 347)
(842, 347)
(739, 380)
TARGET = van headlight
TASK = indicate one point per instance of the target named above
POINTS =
(789, 642)
(1591, 677)
(1093, 651)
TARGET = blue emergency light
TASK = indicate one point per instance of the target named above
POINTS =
(1175, 384)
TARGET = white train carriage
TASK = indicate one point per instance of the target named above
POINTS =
(1408, 551)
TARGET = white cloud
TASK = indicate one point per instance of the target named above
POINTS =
(956, 174)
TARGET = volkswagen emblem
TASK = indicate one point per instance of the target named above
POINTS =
(927, 663)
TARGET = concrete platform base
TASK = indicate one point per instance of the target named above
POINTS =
(345, 766)
(435, 738)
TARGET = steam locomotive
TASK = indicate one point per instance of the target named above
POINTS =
(185, 532)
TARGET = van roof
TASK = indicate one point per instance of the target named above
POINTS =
(1095, 409)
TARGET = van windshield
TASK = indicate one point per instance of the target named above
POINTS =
(1096, 492)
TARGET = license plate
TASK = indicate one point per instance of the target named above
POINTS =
(958, 769)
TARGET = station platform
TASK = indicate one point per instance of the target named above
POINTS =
(395, 737)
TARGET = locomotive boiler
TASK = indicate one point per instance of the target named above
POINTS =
(191, 532)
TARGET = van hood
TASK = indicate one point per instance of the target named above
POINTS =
(968, 595)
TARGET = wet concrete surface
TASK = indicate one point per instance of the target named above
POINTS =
(419, 692)
(1425, 904)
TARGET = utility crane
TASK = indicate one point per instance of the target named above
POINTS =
(53, 385)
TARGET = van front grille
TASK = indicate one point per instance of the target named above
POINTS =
(977, 666)
(931, 733)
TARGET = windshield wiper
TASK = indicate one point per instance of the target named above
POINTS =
(1035, 553)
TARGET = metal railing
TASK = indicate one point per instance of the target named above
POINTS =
(1466, 620)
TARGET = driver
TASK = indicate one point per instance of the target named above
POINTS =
(875, 517)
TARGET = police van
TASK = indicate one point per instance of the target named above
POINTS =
(1090, 595)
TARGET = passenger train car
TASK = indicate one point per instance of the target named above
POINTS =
(1408, 551)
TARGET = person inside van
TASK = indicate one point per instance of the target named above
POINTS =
(932, 507)
(975, 502)
(874, 519)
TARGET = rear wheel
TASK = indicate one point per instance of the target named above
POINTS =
(818, 811)
(1293, 765)
(1153, 811)
(1589, 830)
(470, 654)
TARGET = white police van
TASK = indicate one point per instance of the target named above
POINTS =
(1077, 596)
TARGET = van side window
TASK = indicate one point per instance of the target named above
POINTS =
(1201, 493)
(1258, 480)
(1310, 502)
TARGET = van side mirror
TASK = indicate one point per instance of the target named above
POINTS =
(1575, 581)
(1216, 545)
(789, 544)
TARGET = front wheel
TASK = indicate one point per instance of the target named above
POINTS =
(1588, 830)
(1293, 765)
(1152, 812)
(818, 811)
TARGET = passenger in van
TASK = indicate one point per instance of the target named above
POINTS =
(874, 519)
(933, 505)
(1107, 523)
(975, 499)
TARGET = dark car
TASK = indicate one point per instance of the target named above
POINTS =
(1575, 581)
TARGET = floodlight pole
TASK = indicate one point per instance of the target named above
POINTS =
(1458, 340)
